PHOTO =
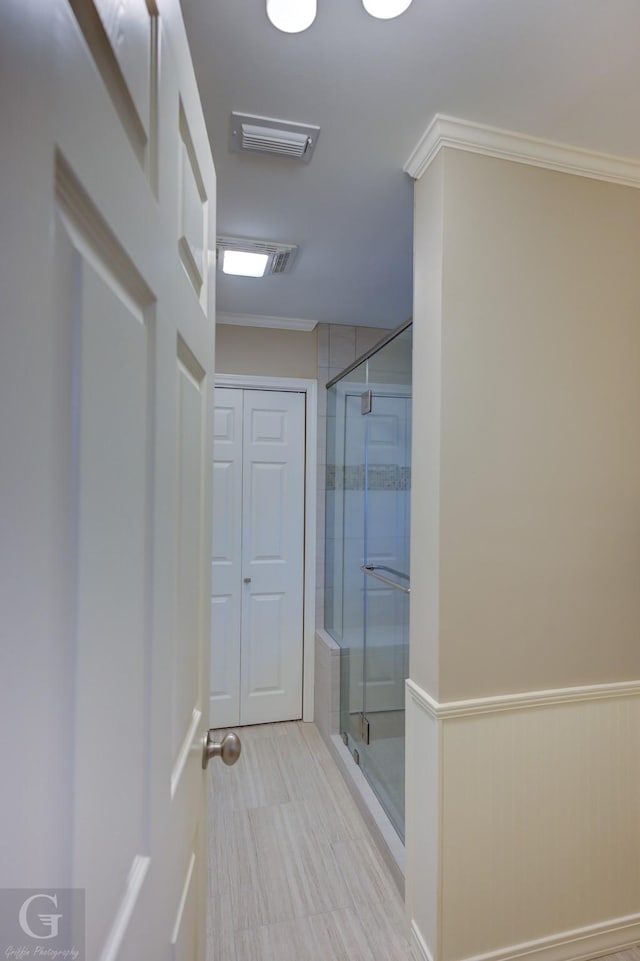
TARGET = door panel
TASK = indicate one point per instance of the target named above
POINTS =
(114, 497)
(110, 361)
(122, 36)
(193, 206)
(127, 25)
(264, 632)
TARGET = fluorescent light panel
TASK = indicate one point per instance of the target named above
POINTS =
(244, 264)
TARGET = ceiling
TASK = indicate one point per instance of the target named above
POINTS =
(564, 70)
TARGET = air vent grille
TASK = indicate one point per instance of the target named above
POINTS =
(281, 261)
(281, 256)
(276, 141)
(281, 138)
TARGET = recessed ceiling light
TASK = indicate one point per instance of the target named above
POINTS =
(385, 9)
(244, 264)
(254, 258)
(291, 16)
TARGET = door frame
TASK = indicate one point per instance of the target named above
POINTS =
(309, 388)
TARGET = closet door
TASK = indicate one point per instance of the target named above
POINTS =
(272, 556)
(258, 557)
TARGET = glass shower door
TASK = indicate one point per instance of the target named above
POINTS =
(386, 595)
(367, 559)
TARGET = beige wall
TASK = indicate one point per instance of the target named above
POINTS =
(265, 351)
(425, 453)
(528, 412)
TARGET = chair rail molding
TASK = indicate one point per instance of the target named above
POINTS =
(520, 701)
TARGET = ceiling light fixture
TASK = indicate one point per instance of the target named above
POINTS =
(294, 16)
(291, 16)
(385, 9)
(246, 257)
(242, 263)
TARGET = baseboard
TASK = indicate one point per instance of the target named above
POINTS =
(419, 948)
(592, 941)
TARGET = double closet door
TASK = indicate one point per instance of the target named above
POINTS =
(257, 571)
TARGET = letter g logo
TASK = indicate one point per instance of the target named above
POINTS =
(49, 921)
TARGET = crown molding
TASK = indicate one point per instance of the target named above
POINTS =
(261, 320)
(478, 138)
(441, 710)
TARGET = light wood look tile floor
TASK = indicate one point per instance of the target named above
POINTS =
(294, 875)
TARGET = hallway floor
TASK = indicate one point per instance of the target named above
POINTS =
(293, 873)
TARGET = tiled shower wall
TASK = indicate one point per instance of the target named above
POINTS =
(338, 346)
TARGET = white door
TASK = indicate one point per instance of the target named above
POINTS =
(108, 203)
(258, 557)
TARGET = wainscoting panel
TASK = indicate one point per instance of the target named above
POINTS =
(423, 828)
(539, 824)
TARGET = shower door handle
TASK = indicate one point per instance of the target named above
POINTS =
(372, 571)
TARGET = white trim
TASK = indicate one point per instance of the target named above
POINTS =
(135, 880)
(592, 941)
(444, 131)
(260, 320)
(185, 750)
(309, 388)
(518, 702)
(183, 901)
(419, 947)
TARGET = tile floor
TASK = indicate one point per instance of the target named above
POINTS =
(293, 873)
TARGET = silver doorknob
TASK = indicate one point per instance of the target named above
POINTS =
(228, 748)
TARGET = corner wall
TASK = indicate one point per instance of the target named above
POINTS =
(523, 708)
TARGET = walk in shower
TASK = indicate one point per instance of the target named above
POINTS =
(367, 585)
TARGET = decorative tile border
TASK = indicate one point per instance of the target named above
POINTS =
(379, 478)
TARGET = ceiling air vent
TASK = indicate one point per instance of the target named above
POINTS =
(277, 137)
(280, 256)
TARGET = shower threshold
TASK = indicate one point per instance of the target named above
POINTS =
(382, 830)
